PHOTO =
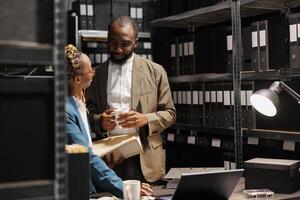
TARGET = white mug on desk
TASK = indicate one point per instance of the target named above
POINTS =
(131, 189)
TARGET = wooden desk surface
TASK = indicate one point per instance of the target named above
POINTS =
(236, 195)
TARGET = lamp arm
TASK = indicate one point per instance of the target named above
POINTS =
(290, 91)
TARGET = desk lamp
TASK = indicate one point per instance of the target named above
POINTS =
(266, 101)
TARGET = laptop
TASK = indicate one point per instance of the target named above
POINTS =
(215, 185)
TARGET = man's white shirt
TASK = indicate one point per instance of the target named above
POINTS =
(119, 84)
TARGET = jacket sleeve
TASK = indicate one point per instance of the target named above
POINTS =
(165, 115)
(102, 176)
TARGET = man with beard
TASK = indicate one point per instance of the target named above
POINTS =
(139, 89)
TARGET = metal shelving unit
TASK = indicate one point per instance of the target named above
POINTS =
(224, 12)
(221, 12)
(27, 54)
(245, 76)
(23, 54)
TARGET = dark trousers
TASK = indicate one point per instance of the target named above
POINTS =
(130, 169)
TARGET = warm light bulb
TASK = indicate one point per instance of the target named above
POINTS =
(263, 105)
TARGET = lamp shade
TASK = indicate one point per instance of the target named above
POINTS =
(265, 101)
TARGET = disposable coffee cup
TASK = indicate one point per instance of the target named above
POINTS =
(131, 189)
(116, 113)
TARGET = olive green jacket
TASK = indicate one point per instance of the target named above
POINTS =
(150, 95)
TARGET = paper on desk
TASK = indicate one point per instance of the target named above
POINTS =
(175, 173)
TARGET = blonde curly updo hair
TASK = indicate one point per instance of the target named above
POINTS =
(73, 55)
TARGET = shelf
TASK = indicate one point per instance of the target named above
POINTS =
(293, 73)
(273, 134)
(26, 54)
(37, 189)
(259, 133)
(216, 130)
(101, 36)
(221, 12)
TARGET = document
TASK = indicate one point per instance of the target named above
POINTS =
(120, 146)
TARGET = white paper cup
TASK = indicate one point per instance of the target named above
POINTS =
(116, 115)
(131, 189)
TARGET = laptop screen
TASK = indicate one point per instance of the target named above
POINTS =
(217, 185)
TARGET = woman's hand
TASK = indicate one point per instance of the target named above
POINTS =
(107, 120)
(146, 190)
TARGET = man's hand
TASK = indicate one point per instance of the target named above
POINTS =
(132, 119)
(107, 120)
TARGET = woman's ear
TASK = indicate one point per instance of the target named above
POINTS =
(77, 79)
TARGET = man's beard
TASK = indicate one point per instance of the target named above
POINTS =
(120, 61)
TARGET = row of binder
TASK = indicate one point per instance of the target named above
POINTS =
(84, 9)
(294, 22)
(182, 55)
(105, 10)
(209, 50)
(211, 105)
(97, 50)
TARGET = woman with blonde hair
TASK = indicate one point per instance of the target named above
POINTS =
(80, 76)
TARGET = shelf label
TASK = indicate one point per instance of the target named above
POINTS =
(252, 140)
(191, 140)
(216, 142)
(288, 145)
(171, 137)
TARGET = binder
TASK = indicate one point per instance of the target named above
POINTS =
(210, 50)
(207, 106)
(263, 45)
(102, 13)
(180, 56)
(278, 40)
(294, 40)
(251, 121)
(139, 18)
(80, 8)
(214, 107)
(185, 107)
(220, 106)
(121, 8)
(148, 10)
(246, 39)
(244, 108)
(228, 105)
(197, 100)
(255, 59)
(229, 52)
(174, 59)
(90, 14)
(187, 59)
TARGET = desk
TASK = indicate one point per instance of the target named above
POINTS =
(236, 195)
